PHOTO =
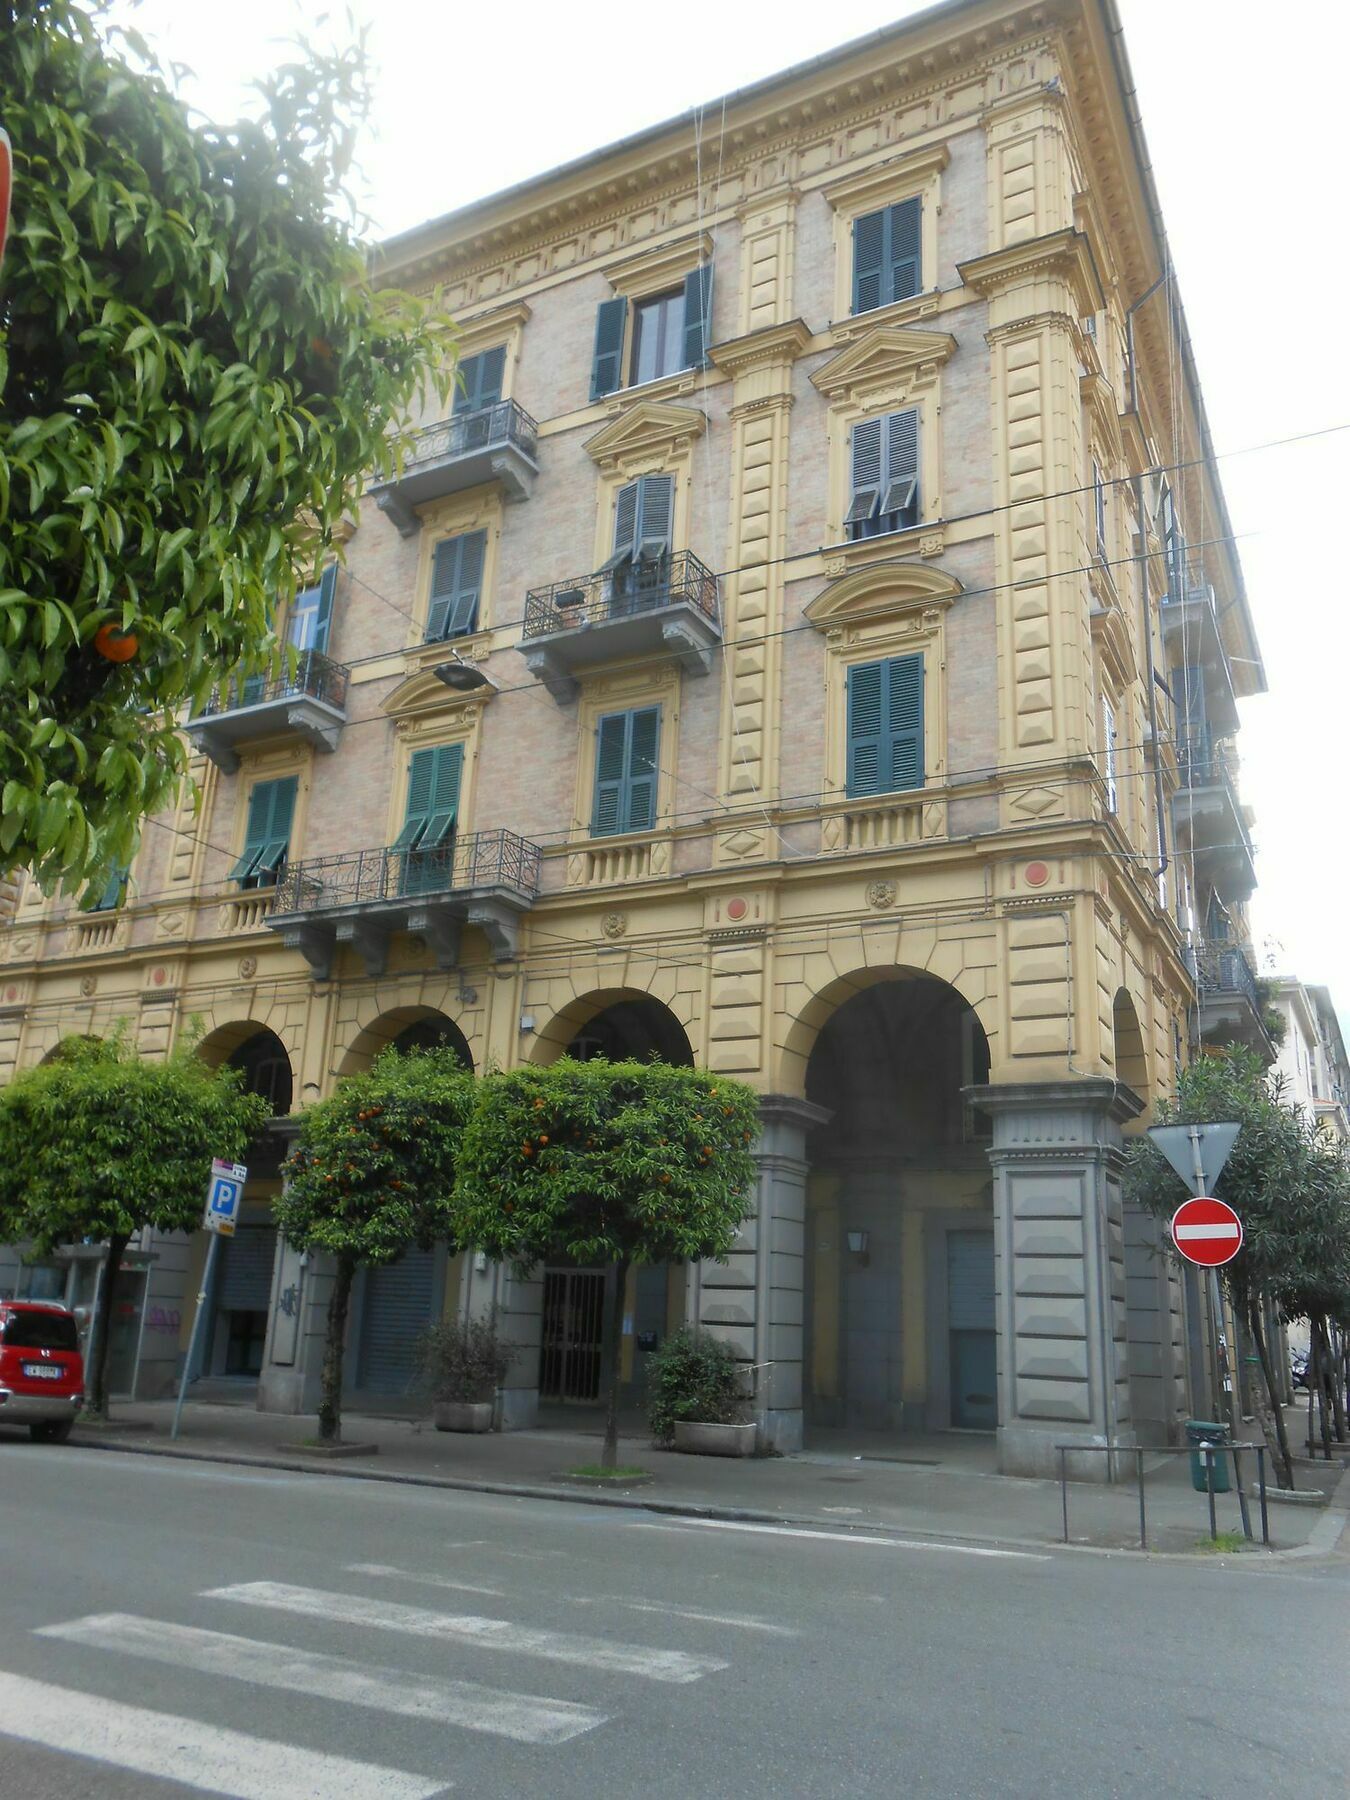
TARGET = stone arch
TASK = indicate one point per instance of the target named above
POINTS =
(57, 1051)
(256, 1050)
(404, 1027)
(651, 1024)
(1131, 1055)
(804, 1025)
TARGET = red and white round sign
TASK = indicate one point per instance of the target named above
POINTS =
(1207, 1232)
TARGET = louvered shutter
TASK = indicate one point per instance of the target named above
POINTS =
(626, 507)
(697, 316)
(278, 841)
(866, 471)
(904, 722)
(324, 618)
(1109, 756)
(904, 266)
(1099, 507)
(902, 465)
(421, 778)
(480, 383)
(643, 735)
(869, 238)
(113, 889)
(255, 832)
(866, 718)
(456, 583)
(445, 777)
(611, 760)
(656, 503)
(607, 364)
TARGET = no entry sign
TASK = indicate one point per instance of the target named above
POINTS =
(1207, 1232)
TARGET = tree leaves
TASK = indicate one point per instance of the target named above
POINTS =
(173, 455)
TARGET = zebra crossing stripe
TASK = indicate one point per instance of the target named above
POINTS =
(484, 1634)
(207, 1758)
(526, 1718)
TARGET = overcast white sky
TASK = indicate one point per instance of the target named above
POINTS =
(1243, 106)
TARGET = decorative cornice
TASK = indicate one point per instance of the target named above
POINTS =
(423, 694)
(889, 353)
(883, 178)
(478, 330)
(650, 425)
(883, 589)
(769, 345)
(651, 270)
(1064, 252)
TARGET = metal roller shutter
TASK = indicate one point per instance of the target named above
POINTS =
(246, 1269)
(398, 1302)
(970, 1280)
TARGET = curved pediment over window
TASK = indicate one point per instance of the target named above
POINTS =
(424, 692)
(881, 590)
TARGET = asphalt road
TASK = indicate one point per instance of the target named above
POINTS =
(170, 1628)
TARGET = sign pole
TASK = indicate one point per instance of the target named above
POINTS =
(211, 1249)
(1201, 1187)
(1224, 1365)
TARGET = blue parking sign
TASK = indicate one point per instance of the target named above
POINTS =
(224, 1197)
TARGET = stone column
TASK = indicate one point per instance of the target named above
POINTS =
(1059, 1270)
(753, 1302)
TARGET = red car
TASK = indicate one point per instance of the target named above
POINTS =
(41, 1369)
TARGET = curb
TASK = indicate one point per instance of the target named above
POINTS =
(1323, 1542)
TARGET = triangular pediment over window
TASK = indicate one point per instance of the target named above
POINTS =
(881, 589)
(650, 426)
(889, 355)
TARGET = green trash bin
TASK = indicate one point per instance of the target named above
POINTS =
(1207, 1431)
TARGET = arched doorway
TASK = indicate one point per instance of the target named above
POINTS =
(397, 1300)
(899, 1275)
(620, 1026)
(1131, 1061)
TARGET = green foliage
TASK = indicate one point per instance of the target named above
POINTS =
(691, 1379)
(374, 1164)
(606, 1162)
(194, 379)
(1287, 1180)
(97, 1143)
(462, 1359)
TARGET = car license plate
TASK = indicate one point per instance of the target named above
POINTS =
(44, 1371)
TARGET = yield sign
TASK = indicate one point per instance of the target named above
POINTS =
(1207, 1232)
(1215, 1145)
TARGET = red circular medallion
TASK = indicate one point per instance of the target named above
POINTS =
(1037, 874)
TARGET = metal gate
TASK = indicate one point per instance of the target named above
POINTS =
(399, 1300)
(970, 1323)
(246, 1269)
(573, 1334)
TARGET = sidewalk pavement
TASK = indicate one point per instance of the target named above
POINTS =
(941, 1487)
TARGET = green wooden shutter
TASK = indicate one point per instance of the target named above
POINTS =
(869, 238)
(905, 722)
(607, 364)
(324, 619)
(271, 808)
(445, 779)
(611, 761)
(480, 381)
(903, 254)
(456, 584)
(901, 491)
(866, 471)
(429, 819)
(113, 889)
(417, 809)
(656, 505)
(697, 316)
(644, 730)
(866, 721)
(625, 524)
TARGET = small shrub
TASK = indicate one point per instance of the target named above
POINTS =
(462, 1361)
(691, 1380)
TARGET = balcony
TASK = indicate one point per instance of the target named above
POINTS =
(1229, 1000)
(308, 702)
(496, 443)
(664, 607)
(1192, 639)
(1208, 822)
(361, 898)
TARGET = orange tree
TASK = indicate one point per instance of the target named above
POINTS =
(371, 1174)
(613, 1163)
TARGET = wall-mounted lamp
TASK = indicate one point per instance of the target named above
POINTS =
(857, 1242)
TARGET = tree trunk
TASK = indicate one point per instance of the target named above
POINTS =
(1335, 1360)
(1319, 1338)
(1279, 1448)
(96, 1374)
(609, 1456)
(330, 1400)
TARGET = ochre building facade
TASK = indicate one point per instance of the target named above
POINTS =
(838, 636)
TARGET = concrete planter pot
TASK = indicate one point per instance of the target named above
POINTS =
(715, 1440)
(462, 1415)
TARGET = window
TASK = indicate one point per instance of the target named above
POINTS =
(886, 255)
(312, 613)
(669, 332)
(884, 475)
(271, 807)
(478, 381)
(885, 726)
(113, 891)
(40, 1331)
(456, 584)
(427, 837)
(1109, 754)
(1099, 507)
(625, 771)
(640, 561)
(1173, 546)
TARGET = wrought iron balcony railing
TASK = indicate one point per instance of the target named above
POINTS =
(1223, 969)
(314, 677)
(361, 878)
(623, 593)
(488, 428)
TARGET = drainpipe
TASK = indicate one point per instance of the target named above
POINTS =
(1141, 562)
